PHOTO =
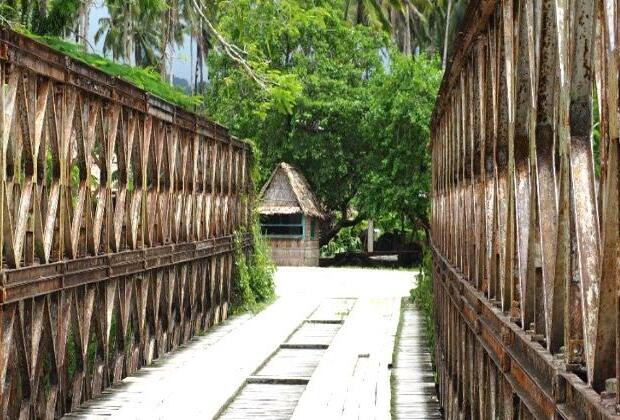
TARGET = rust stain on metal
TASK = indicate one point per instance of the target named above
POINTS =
(521, 214)
(116, 208)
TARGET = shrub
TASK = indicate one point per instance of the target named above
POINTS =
(253, 281)
(345, 241)
(422, 296)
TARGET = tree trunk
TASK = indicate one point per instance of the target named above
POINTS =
(163, 62)
(199, 65)
(24, 12)
(446, 36)
(83, 23)
(341, 224)
(394, 24)
(196, 67)
(423, 223)
(205, 43)
(128, 54)
(42, 10)
(407, 41)
(360, 17)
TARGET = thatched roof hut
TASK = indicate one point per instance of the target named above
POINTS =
(290, 217)
(287, 192)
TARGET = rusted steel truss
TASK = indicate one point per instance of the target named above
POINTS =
(525, 212)
(117, 211)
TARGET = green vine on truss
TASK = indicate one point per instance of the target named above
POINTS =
(253, 285)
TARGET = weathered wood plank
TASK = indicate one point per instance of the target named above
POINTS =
(414, 394)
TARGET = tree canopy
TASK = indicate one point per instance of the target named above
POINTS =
(354, 115)
(343, 89)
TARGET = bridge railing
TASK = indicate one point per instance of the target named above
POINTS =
(117, 211)
(525, 211)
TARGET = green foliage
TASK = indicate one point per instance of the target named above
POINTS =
(253, 285)
(144, 78)
(398, 119)
(312, 117)
(347, 240)
(415, 25)
(138, 21)
(60, 16)
(358, 125)
(422, 295)
(52, 17)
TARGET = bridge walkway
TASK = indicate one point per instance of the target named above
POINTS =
(414, 395)
(322, 350)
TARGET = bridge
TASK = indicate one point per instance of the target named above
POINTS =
(525, 212)
(121, 217)
(119, 213)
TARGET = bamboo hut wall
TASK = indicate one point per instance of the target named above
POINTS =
(297, 251)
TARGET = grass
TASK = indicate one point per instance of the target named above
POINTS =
(144, 78)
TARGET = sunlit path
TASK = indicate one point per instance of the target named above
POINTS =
(324, 348)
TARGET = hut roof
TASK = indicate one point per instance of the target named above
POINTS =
(287, 192)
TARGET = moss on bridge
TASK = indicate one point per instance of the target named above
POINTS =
(144, 78)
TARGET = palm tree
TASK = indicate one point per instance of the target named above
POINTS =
(81, 27)
(393, 15)
(172, 35)
(130, 31)
(415, 25)
(368, 12)
(199, 34)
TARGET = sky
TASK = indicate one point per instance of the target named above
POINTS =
(182, 65)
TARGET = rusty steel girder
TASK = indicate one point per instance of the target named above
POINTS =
(525, 212)
(117, 214)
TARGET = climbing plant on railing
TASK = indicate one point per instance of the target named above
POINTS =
(422, 296)
(253, 285)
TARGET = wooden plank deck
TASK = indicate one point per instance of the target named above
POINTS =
(332, 310)
(291, 363)
(310, 333)
(413, 387)
(196, 381)
(317, 353)
(273, 391)
(352, 379)
(264, 401)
